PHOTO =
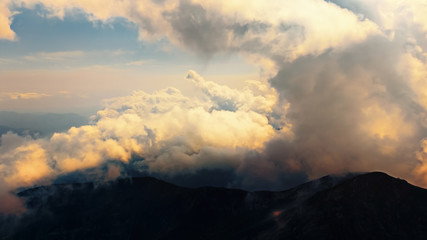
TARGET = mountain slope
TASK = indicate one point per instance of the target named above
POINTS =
(365, 206)
(369, 206)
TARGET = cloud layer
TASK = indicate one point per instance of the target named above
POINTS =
(170, 133)
(346, 92)
(286, 29)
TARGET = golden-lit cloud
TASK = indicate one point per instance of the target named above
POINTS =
(5, 21)
(286, 28)
(22, 95)
(386, 123)
(344, 90)
(29, 165)
(172, 132)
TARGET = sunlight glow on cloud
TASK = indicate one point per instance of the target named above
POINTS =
(22, 95)
(344, 90)
(288, 30)
(173, 133)
(5, 21)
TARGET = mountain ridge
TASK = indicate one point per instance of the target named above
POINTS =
(367, 205)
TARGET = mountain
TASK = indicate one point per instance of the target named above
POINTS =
(358, 206)
(21, 132)
(44, 124)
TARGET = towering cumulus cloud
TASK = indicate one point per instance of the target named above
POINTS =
(164, 132)
(346, 92)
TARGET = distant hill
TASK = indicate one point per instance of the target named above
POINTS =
(364, 206)
(43, 124)
(21, 132)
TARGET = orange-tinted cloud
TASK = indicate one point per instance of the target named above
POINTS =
(347, 94)
(5, 21)
(22, 95)
(172, 132)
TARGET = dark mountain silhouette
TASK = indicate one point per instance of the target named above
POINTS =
(358, 206)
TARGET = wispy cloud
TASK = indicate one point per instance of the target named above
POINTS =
(120, 52)
(139, 63)
(54, 56)
(23, 95)
(9, 61)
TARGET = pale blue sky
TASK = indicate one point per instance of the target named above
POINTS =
(64, 60)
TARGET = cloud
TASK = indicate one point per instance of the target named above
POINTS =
(171, 134)
(23, 95)
(138, 63)
(5, 21)
(5, 61)
(390, 15)
(287, 29)
(351, 111)
(10, 204)
(54, 56)
(346, 93)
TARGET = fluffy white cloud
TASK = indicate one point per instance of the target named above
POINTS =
(287, 29)
(173, 133)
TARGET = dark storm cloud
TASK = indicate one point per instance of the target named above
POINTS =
(335, 100)
(200, 31)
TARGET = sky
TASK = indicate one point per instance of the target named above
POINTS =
(253, 94)
(71, 63)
